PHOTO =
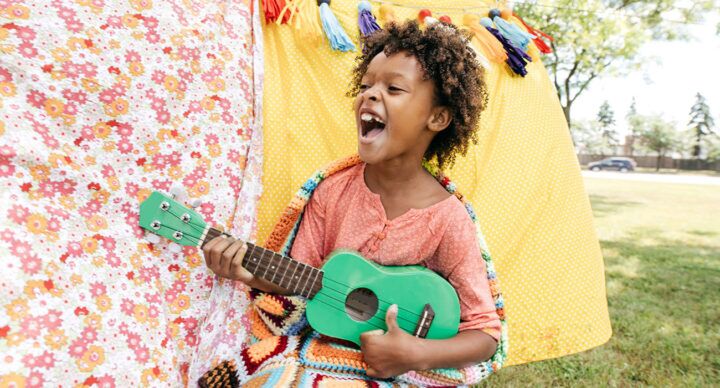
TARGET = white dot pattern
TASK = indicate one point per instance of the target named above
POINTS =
(523, 179)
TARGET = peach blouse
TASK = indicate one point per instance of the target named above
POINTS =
(343, 213)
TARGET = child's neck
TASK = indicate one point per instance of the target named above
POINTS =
(395, 178)
(403, 187)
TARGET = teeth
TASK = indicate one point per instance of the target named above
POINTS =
(370, 117)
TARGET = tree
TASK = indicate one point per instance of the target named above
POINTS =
(586, 137)
(597, 37)
(635, 125)
(701, 123)
(606, 119)
(658, 136)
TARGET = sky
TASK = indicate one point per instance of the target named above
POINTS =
(666, 85)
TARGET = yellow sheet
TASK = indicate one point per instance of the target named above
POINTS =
(523, 178)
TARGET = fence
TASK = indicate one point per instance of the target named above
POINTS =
(651, 161)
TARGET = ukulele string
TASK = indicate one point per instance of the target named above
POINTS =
(197, 238)
(381, 309)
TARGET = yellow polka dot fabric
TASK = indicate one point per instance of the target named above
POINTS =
(523, 178)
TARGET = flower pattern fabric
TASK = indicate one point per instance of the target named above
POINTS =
(102, 102)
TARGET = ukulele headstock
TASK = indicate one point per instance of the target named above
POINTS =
(162, 215)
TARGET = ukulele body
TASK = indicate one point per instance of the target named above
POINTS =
(356, 294)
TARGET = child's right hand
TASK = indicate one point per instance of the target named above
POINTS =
(224, 256)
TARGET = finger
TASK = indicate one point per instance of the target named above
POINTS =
(218, 249)
(229, 254)
(371, 372)
(391, 318)
(207, 247)
(366, 335)
(236, 268)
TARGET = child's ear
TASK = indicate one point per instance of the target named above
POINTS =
(440, 118)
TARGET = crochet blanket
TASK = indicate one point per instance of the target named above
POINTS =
(285, 351)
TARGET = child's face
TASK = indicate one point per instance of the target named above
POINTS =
(395, 110)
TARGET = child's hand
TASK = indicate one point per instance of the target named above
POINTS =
(224, 256)
(392, 353)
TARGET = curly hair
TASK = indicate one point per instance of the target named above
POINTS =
(446, 58)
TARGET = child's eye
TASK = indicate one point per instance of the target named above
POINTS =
(395, 89)
(364, 87)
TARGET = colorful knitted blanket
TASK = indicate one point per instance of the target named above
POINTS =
(284, 351)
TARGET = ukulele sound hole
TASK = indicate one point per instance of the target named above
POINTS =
(361, 304)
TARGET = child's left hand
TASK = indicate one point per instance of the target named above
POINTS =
(391, 353)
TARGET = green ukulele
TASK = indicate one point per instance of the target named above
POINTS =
(348, 296)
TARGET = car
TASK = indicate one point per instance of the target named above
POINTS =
(614, 163)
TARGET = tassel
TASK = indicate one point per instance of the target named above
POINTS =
(336, 35)
(387, 14)
(517, 59)
(303, 17)
(513, 33)
(366, 20)
(272, 9)
(489, 45)
(541, 45)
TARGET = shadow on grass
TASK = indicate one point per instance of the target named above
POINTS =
(603, 205)
(704, 233)
(664, 307)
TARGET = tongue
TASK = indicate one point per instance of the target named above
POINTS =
(373, 132)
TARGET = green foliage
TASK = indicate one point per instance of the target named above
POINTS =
(598, 37)
(591, 138)
(606, 118)
(659, 136)
(701, 123)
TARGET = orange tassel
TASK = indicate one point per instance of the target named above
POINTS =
(272, 9)
(387, 14)
(304, 16)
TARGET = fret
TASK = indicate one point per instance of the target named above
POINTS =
(287, 265)
(312, 286)
(253, 259)
(302, 274)
(275, 266)
(211, 234)
(268, 265)
(292, 280)
(306, 280)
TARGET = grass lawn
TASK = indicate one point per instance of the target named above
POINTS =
(661, 244)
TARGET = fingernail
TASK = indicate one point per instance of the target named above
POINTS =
(394, 308)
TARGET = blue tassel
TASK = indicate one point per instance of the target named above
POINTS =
(513, 33)
(339, 40)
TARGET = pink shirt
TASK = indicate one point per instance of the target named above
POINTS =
(344, 214)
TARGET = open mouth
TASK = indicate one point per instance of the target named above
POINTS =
(371, 125)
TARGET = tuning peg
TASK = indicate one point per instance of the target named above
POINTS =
(195, 203)
(178, 192)
(152, 238)
(175, 248)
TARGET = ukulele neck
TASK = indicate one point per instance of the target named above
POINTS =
(296, 277)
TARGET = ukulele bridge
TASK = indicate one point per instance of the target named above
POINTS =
(423, 324)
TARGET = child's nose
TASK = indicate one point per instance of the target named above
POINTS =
(372, 94)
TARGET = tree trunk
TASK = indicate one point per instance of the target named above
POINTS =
(566, 110)
(657, 165)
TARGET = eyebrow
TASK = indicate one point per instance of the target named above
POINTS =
(391, 75)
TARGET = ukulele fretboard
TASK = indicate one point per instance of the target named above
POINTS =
(296, 277)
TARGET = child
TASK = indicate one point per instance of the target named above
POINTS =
(418, 97)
